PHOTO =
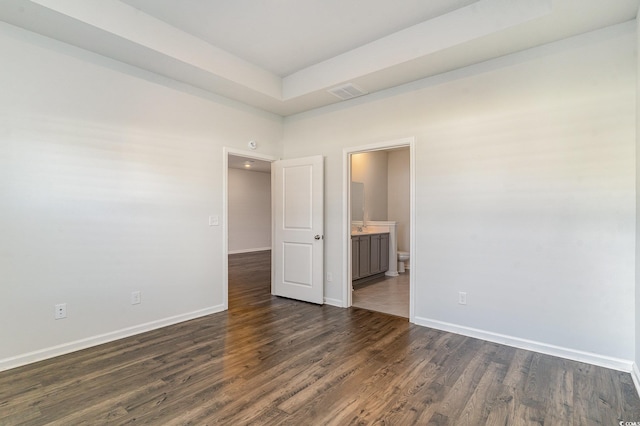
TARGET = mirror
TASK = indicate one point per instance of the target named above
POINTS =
(357, 201)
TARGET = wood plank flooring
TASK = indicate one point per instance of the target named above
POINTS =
(272, 361)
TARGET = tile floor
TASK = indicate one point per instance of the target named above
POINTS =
(389, 295)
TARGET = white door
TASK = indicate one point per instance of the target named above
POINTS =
(298, 255)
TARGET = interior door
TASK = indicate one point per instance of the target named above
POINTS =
(298, 254)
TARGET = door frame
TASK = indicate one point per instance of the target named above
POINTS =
(346, 213)
(226, 151)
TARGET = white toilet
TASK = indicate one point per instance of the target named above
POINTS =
(403, 256)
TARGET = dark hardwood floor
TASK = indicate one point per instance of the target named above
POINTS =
(276, 361)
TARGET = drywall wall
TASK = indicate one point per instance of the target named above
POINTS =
(370, 168)
(107, 178)
(399, 199)
(636, 371)
(249, 211)
(525, 191)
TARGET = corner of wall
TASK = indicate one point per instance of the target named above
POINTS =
(536, 346)
(636, 373)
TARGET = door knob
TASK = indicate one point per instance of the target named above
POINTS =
(317, 237)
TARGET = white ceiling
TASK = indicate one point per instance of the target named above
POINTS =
(285, 36)
(284, 55)
(250, 164)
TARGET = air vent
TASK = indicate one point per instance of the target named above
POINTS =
(347, 91)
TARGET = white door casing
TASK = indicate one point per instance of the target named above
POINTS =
(298, 254)
(226, 151)
(404, 142)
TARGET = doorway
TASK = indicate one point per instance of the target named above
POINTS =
(387, 212)
(297, 197)
(247, 219)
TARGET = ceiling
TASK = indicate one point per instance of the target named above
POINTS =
(250, 164)
(283, 56)
(286, 36)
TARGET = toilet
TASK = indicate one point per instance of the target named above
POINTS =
(403, 256)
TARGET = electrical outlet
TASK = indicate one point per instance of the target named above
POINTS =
(329, 277)
(136, 297)
(462, 298)
(214, 220)
(60, 311)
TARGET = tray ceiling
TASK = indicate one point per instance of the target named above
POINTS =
(283, 56)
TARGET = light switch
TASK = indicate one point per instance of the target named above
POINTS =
(213, 220)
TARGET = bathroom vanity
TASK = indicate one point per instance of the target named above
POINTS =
(369, 256)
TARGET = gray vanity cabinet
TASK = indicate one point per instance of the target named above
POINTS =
(384, 252)
(360, 256)
(355, 256)
(374, 254)
(369, 255)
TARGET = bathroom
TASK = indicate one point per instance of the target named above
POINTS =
(380, 202)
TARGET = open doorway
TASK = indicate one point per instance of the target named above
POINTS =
(379, 187)
(380, 222)
(249, 183)
(247, 223)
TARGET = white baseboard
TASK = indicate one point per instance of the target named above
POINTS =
(391, 274)
(530, 345)
(65, 348)
(635, 376)
(333, 302)
(251, 250)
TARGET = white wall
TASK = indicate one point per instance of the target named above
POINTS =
(399, 200)
(525, 190)
(636, 374)
(249, 210)
(370, 168)
(106, 184)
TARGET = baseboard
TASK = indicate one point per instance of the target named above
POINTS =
(530, 345)
(251, 250)
(54, 351)
(635, 376)
(333, 302)
(391, 274)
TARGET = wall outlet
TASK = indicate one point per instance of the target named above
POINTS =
(60, 311)
(329, 277)
(136, 297)
(214, 220)
(462, 298)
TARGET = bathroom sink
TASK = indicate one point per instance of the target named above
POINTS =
(371, 229)
(368, 232)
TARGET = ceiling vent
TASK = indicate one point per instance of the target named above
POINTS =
(347, 91)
